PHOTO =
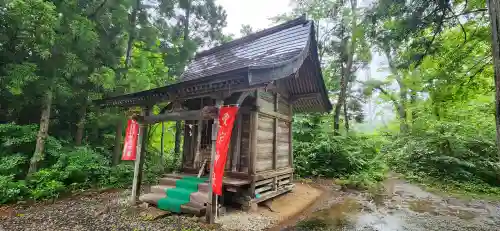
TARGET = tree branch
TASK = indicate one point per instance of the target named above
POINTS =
(94, 14)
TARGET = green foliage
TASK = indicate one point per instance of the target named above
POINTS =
(355, 158)
(10, 189)
(456, 149)
(45, 184)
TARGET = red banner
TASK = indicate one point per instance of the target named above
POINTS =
(130, 145)
(227, 116)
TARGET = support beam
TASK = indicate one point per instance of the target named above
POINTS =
(212, 203)
(235, 160)
(140, 157)
(207, 113)
(254, 126)
(275, 139)
(197, 151)
(290, 141)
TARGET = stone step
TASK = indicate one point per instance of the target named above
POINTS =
(168, 181)
(176, 175)
(160, 188)
(190, 208)
(200, 198)
(203, 187)
(152, 198)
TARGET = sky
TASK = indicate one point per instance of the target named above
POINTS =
(257, 14)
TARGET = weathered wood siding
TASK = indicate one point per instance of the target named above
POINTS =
(283, 144)
(245, 143)
(265, 141)
(273, 139)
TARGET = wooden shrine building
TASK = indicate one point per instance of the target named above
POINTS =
(271, 74)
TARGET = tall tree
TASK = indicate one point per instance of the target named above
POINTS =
(342, 49)
(494, 10)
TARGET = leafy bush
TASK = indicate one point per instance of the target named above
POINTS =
(83, 166)
(119, 176)
(10, 189)
(46, 183)
(460, 154)
(12, 164)
(319, 153)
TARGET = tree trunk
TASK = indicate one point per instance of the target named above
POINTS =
(117, 149)
(338, 106)
(178, 124)
(80, 126)
(131, 36)
(413, 102)
(403, 125)
(346, 117)
(494, 10)
(43, 132)
(178, 130)
(161, 141)
(346, 71)
(403, 120)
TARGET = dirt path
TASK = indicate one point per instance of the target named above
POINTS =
(401, 206)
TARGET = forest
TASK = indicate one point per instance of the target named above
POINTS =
(435, 91)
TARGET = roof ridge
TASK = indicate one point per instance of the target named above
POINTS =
(254, 36)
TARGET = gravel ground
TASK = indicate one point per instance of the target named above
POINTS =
(244, 221)
(401, 207)
(105, 211)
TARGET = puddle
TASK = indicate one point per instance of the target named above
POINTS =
(335, 217)
(422, 206)
(379, 222)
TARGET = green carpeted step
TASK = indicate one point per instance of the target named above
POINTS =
(170, 204)
(180, 195)
(189, 183)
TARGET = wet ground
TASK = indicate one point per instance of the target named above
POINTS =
(399, 206)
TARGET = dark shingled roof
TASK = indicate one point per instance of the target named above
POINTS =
(286, 53)
(263, 49)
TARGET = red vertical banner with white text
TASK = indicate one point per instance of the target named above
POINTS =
(227, 116)
(130, 144)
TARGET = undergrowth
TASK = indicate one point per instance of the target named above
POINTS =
(65, 169)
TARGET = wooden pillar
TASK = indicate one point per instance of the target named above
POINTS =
(235, 160)
(254, 126)
(290, 140)
(212, 202)
(275, 130)
(197, 150)
(140, 157)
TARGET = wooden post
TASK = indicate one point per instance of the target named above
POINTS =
(212, 203)
(235, 160)
(197, 151)
(254, 120)
(275, 140)
(139, 160)
(290, 140)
